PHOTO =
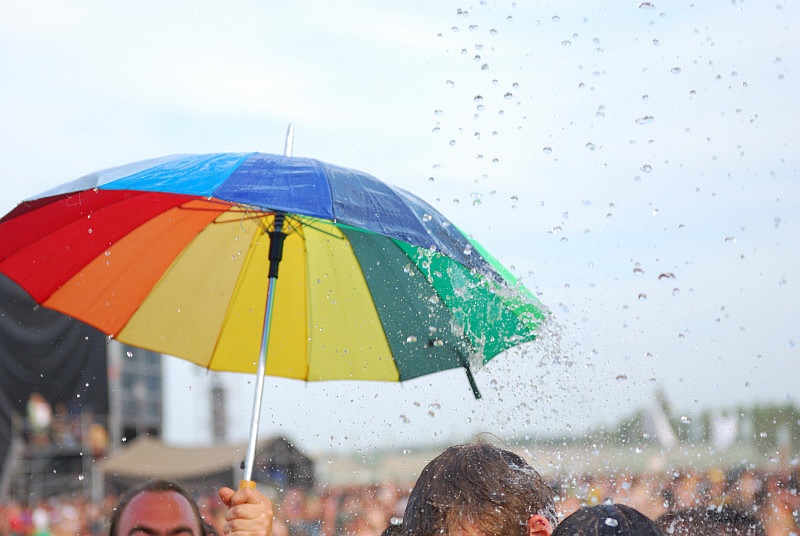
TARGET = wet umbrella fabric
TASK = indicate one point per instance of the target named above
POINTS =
(172, 255)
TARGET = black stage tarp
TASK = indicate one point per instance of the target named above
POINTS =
(46, 352)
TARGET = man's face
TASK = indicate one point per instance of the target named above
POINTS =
(163, 513)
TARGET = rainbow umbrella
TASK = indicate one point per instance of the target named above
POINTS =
(181, 255)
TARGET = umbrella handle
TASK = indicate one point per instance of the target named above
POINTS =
(243, 484)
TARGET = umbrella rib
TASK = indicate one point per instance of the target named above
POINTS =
(295, 221)
(306, 222)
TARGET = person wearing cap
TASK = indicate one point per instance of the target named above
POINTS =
(479, 490)
(607, 519)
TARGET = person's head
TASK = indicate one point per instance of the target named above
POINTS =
(607, 520)
(725, 521)
(479, 490)
(158, 508)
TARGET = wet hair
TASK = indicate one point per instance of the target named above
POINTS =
(728, 521)
(393, 529)
(153, 486)
(607, 520)
(479, 485)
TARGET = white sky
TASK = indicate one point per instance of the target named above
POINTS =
(591, 149)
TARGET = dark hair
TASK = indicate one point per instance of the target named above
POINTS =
(154, 486)
(607, 520)
(726, 520)
(481, 485)
(393, 529)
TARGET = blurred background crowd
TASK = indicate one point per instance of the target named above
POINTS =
(367, 509)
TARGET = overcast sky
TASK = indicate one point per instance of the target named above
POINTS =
(635, 163)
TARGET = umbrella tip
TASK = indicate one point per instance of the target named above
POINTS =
(287, 148)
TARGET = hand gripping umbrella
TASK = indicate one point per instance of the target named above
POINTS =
(181, 254)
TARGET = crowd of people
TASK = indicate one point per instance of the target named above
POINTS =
(469, 489)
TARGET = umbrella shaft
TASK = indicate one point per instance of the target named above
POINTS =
(275, 254)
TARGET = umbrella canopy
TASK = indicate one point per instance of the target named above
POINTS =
(178, 254)
(171, 255)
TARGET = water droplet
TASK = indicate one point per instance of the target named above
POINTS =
(590, 146)
(685, 419)
(611, 522)
(478, 98)
(675, 70)
(426, 218)
(644, 120)
(450, 83)
(547, 150)
(411, 338)
(647, 5)
(642, 296)
(647, 168)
